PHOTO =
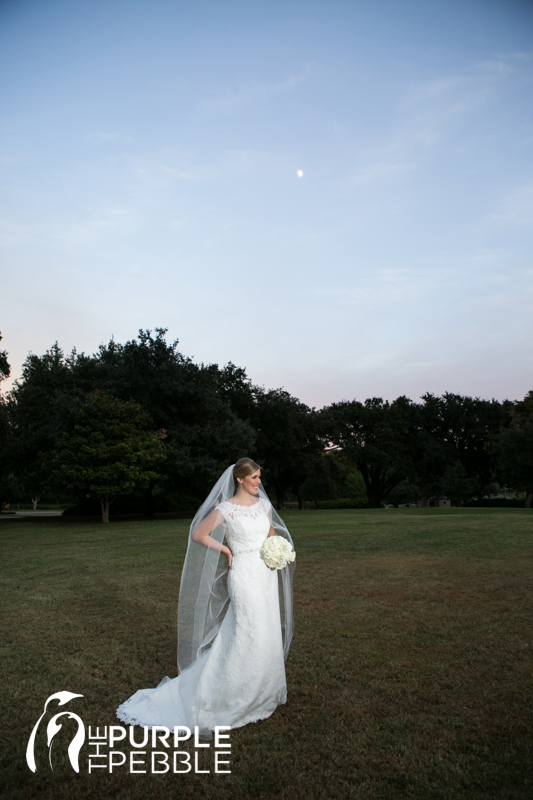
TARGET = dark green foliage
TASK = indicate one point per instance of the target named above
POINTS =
(43, 407)
(319, 484)
(150, 372)
(459, 429)
(208, 416)
(405, 492)
(513, 448)
(5, 447)
(109, 453)
(342, 502)
(456, 484)
(287, 441)
(440, 447)
(354, 486)
(189, 404)
(193, 404)
(134, 504)
(6, 476)
(496, 502)
(236, 389)
(5, 369)
(379, 438)
(332, 479)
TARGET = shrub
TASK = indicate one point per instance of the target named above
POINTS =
(497, 502)
(343, 502)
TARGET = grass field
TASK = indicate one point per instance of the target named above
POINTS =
(409, 675)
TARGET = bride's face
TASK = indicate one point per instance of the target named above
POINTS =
(252, 482)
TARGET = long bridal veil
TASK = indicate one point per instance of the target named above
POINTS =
(203, 597)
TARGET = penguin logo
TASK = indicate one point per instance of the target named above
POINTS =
(52, 728)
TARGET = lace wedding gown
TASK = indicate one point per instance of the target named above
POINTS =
(241, 678)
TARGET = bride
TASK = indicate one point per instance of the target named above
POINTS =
(234, 616)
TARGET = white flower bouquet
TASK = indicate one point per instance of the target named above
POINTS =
(277, 552)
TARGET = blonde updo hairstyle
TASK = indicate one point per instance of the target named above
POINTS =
(243, 467)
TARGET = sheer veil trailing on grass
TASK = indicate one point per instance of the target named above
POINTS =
(204, 597)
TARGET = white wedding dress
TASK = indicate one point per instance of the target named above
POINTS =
(241, 678)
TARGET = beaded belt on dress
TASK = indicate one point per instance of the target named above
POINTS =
(244, 552)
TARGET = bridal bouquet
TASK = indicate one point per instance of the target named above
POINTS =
(276, 552)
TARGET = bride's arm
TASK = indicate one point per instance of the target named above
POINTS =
(271, 532)
(202, 534)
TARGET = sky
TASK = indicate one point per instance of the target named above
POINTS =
(337, 196)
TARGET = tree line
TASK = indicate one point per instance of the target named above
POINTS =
(142, 420)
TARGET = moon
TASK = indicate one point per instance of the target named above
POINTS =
(300, 173)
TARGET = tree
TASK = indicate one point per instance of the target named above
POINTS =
(456, 484)
(404, 492)
(431, 462)
(6, 431)
(42, 407)
(5, 369)
(460, 429)
(319, 484)
(5, 461)
(379, 438)
(348, 480)
(513, 448)
(110, 453)
(331, 475)
(287, 441)
(236, 389)
(192, 403)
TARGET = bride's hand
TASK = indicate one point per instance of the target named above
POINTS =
(229, 554)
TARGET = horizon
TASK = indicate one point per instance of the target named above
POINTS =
(11, 381)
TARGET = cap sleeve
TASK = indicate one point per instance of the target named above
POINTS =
(222, 508)
(267, 506)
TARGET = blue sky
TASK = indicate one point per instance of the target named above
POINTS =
(150, 153)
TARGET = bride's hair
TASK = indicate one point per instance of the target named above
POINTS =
(244, 467)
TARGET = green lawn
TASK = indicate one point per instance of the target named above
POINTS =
(409, 675)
